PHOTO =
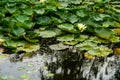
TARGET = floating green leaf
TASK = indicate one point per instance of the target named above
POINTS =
(47, 34)
(29, 47)
(40, 11)
(80, 13)
(13, 44)
(81, 38)
(44, 20)
(50, 33)
(86, 45)
(18, 31)
(58, 46)
(67, 27)
(70, 42)
(100, 51)
(66, 38)
(22, 18)
(104, 33)
(28, 11)
(72, 18)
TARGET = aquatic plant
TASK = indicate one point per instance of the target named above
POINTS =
(88, 25)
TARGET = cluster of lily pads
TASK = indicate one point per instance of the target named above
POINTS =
(88, 25)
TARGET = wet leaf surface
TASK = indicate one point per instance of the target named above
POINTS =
(29, 48)
(58, 46)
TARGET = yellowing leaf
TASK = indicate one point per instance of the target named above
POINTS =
(87, 55)
(29, 48)
(117, 51)
(1, 41)
(117, 31)
(101, 10)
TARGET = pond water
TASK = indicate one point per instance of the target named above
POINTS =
(60, 65)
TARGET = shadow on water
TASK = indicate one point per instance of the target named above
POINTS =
(65, 65)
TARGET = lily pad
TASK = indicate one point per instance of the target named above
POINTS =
(29, 48)
(67, 27)
(58, 46)
(117, 31)
(117, 51)
(66, 38)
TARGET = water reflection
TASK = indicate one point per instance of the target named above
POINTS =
(73, 66)
(65, 65)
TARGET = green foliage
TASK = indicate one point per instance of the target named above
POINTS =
(67, 27)
(72, 22)
(44, 20)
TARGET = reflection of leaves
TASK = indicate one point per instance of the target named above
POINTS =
(49, 75)
(25, 77)
(7, 77)
(4, 77)
(3, 56)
